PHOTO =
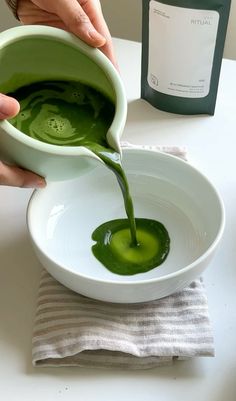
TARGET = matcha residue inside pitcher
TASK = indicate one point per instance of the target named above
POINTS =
(69, 113)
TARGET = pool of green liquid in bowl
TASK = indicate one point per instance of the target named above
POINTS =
(69, 113)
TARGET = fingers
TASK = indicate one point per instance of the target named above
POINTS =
(17, 177)
(79, 21)
(93, 9)
(9, 107)
(84, 18)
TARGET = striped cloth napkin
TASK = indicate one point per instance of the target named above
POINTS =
(72, 330)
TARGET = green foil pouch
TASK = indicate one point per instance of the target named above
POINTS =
(182, 49)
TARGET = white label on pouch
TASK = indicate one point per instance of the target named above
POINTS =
(181, 49)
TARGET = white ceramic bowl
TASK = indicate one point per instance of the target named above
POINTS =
(62, 217)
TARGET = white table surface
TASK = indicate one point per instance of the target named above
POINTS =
(211, 145)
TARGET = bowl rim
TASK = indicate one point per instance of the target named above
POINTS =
(168, 276)
(28, 31)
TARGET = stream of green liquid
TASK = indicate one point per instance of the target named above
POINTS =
(68, 113)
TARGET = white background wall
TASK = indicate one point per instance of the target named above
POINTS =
(124, 18)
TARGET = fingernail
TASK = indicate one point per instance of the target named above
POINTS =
(96, 36)
(41, 183)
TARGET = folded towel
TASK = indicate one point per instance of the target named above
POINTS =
(72, 330)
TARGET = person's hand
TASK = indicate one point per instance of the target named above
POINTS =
(11, 175)
(84, 18)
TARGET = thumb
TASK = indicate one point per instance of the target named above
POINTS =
(9, 107)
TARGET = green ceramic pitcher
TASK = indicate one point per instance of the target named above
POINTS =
(39, 53)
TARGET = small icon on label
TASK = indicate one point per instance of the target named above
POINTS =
(154, 79)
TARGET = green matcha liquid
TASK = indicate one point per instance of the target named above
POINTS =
(69, 113)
